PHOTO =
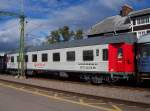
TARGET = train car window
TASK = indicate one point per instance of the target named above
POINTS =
(97, 52)
(56, 57)
(17, 58)
(120, 53)
(145, 51)
(105, 54)
(34, 58)
(88, 55)
(12, 58)
(71, 56)
(44, 57)
(144, 54)
(26, 58)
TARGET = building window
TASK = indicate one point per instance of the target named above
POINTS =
(143, 20)
(56, 57)
(71, 56)
(134, 22)
(88, 55)
(12, 58)
(34, 58)
(105, 54)
(44, 57)
(141, 33)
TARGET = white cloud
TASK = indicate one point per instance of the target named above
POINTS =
(82, 15)
(112, 4)
(9, 31)
(10, 4)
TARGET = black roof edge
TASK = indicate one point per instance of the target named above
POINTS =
(112, 32)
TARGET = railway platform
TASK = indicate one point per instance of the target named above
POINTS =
(122, 94)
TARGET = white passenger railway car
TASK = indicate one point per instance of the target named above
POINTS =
(90, 58)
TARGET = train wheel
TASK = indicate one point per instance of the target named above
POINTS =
(30, 73)
(63, 75)
(96, 79)
(85, 77)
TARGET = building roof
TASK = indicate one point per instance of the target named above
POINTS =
(144, 39)
(139, 12)
(110, 24)
(115, 23)
(129, 38)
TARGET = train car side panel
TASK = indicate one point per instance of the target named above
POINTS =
(97, 64)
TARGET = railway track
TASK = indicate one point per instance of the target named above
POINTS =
(72, 94)
(122, 85)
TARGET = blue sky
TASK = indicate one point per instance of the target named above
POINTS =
(44, 16)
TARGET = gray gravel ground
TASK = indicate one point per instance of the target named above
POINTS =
(122, 94)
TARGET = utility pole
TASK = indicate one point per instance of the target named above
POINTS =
(21, 61)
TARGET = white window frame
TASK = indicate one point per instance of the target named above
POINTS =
(141, 31)
(136, 21)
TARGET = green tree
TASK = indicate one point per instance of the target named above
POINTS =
(55, 36)
(50, 40)
(65, 33)
(78, 34)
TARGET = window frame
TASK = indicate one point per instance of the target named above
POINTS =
(26, 58)
(34, 60)
(70, 58)
(17, 58)
(44, 57)
(86, 55)
(143, 20)
(105, 54)
(12, 59)
(54, 57)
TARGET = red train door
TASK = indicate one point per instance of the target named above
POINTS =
(116, 58)
(121, 57)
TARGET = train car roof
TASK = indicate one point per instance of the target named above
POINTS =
(144, 39)
(127, 38)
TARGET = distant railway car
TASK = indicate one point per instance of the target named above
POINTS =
(2, 62)
(94, 59)
(144, 56)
